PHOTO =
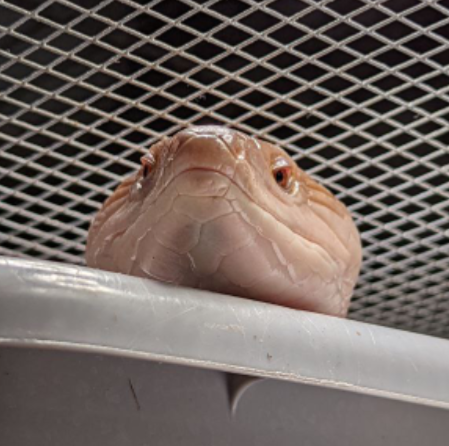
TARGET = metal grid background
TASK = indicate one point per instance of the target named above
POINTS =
(357, 91)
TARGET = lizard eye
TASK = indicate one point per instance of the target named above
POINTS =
(282, 173)
(148, 161)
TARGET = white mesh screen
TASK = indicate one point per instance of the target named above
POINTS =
(357, 91)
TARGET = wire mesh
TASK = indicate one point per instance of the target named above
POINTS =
(356, 91)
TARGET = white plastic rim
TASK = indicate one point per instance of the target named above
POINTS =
(50, 305)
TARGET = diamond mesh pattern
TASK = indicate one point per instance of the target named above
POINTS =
(357, 91)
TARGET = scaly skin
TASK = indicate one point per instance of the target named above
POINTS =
(207, 212)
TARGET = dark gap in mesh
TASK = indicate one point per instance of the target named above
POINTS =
(206, 76)
(69, 235)
(336, 84)
(89, 139)
(95, 54)
(66, 42)
(395, 31)
(442, 57)
(369, 191)
(401, 139)
(259, 21)
(417, 171)
(158, 102)
(8, 17)
(348, 183)
(97, 179)
(370, 17)
(258, 74)
(311, 46)
(365, 45)
(35, 30)
(182, 90)
(78, 94)
(58, 200)
(406, 117)
(56, 107)
(129, 91)
(232, 35)
(13, 130)
(202, 22)
(136, 137)
(337, 58)
(229, 8)
(305, 142)
(21, 151)
(383, 106)
(101, 80)
(41, 140)
(283, 60)
(74, 252)
(60, 14)
(62, 129)
(232, 63)
(171, 8)
(51, 244)
(433, 105)
(356, 119)
(287, 34)
(183, 113)
(179, 64)
(428, 127)
(133, 115)
(283, 132)
(111, 128)
(307, 121)
(90, 26)
(154, 78)
(345, 6)
(283, 110)
(84, 117)
(116, 11)
(315, 19)
(13, 45)
(257, 98)
(119, 39)
(411, 208)
(422, 44)
(380, 129)
(410, 94)
(232, 111)
(282, 85)
(48, 82)
(19, 71)
(176, 37)
(307, 163)
(259, 49)
(354, 141)
(114, 148)
(392, 58)
(309, 72)
(426, 16)
(7, 109)
(443, 31)
(107, 105)
(205, 50)
(71, 68)
(331, 131)
(438, 81)
(258, 122)
(160, 125)
(309, 97)
(48, 161)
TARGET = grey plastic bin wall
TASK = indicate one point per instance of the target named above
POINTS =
(94, 358)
